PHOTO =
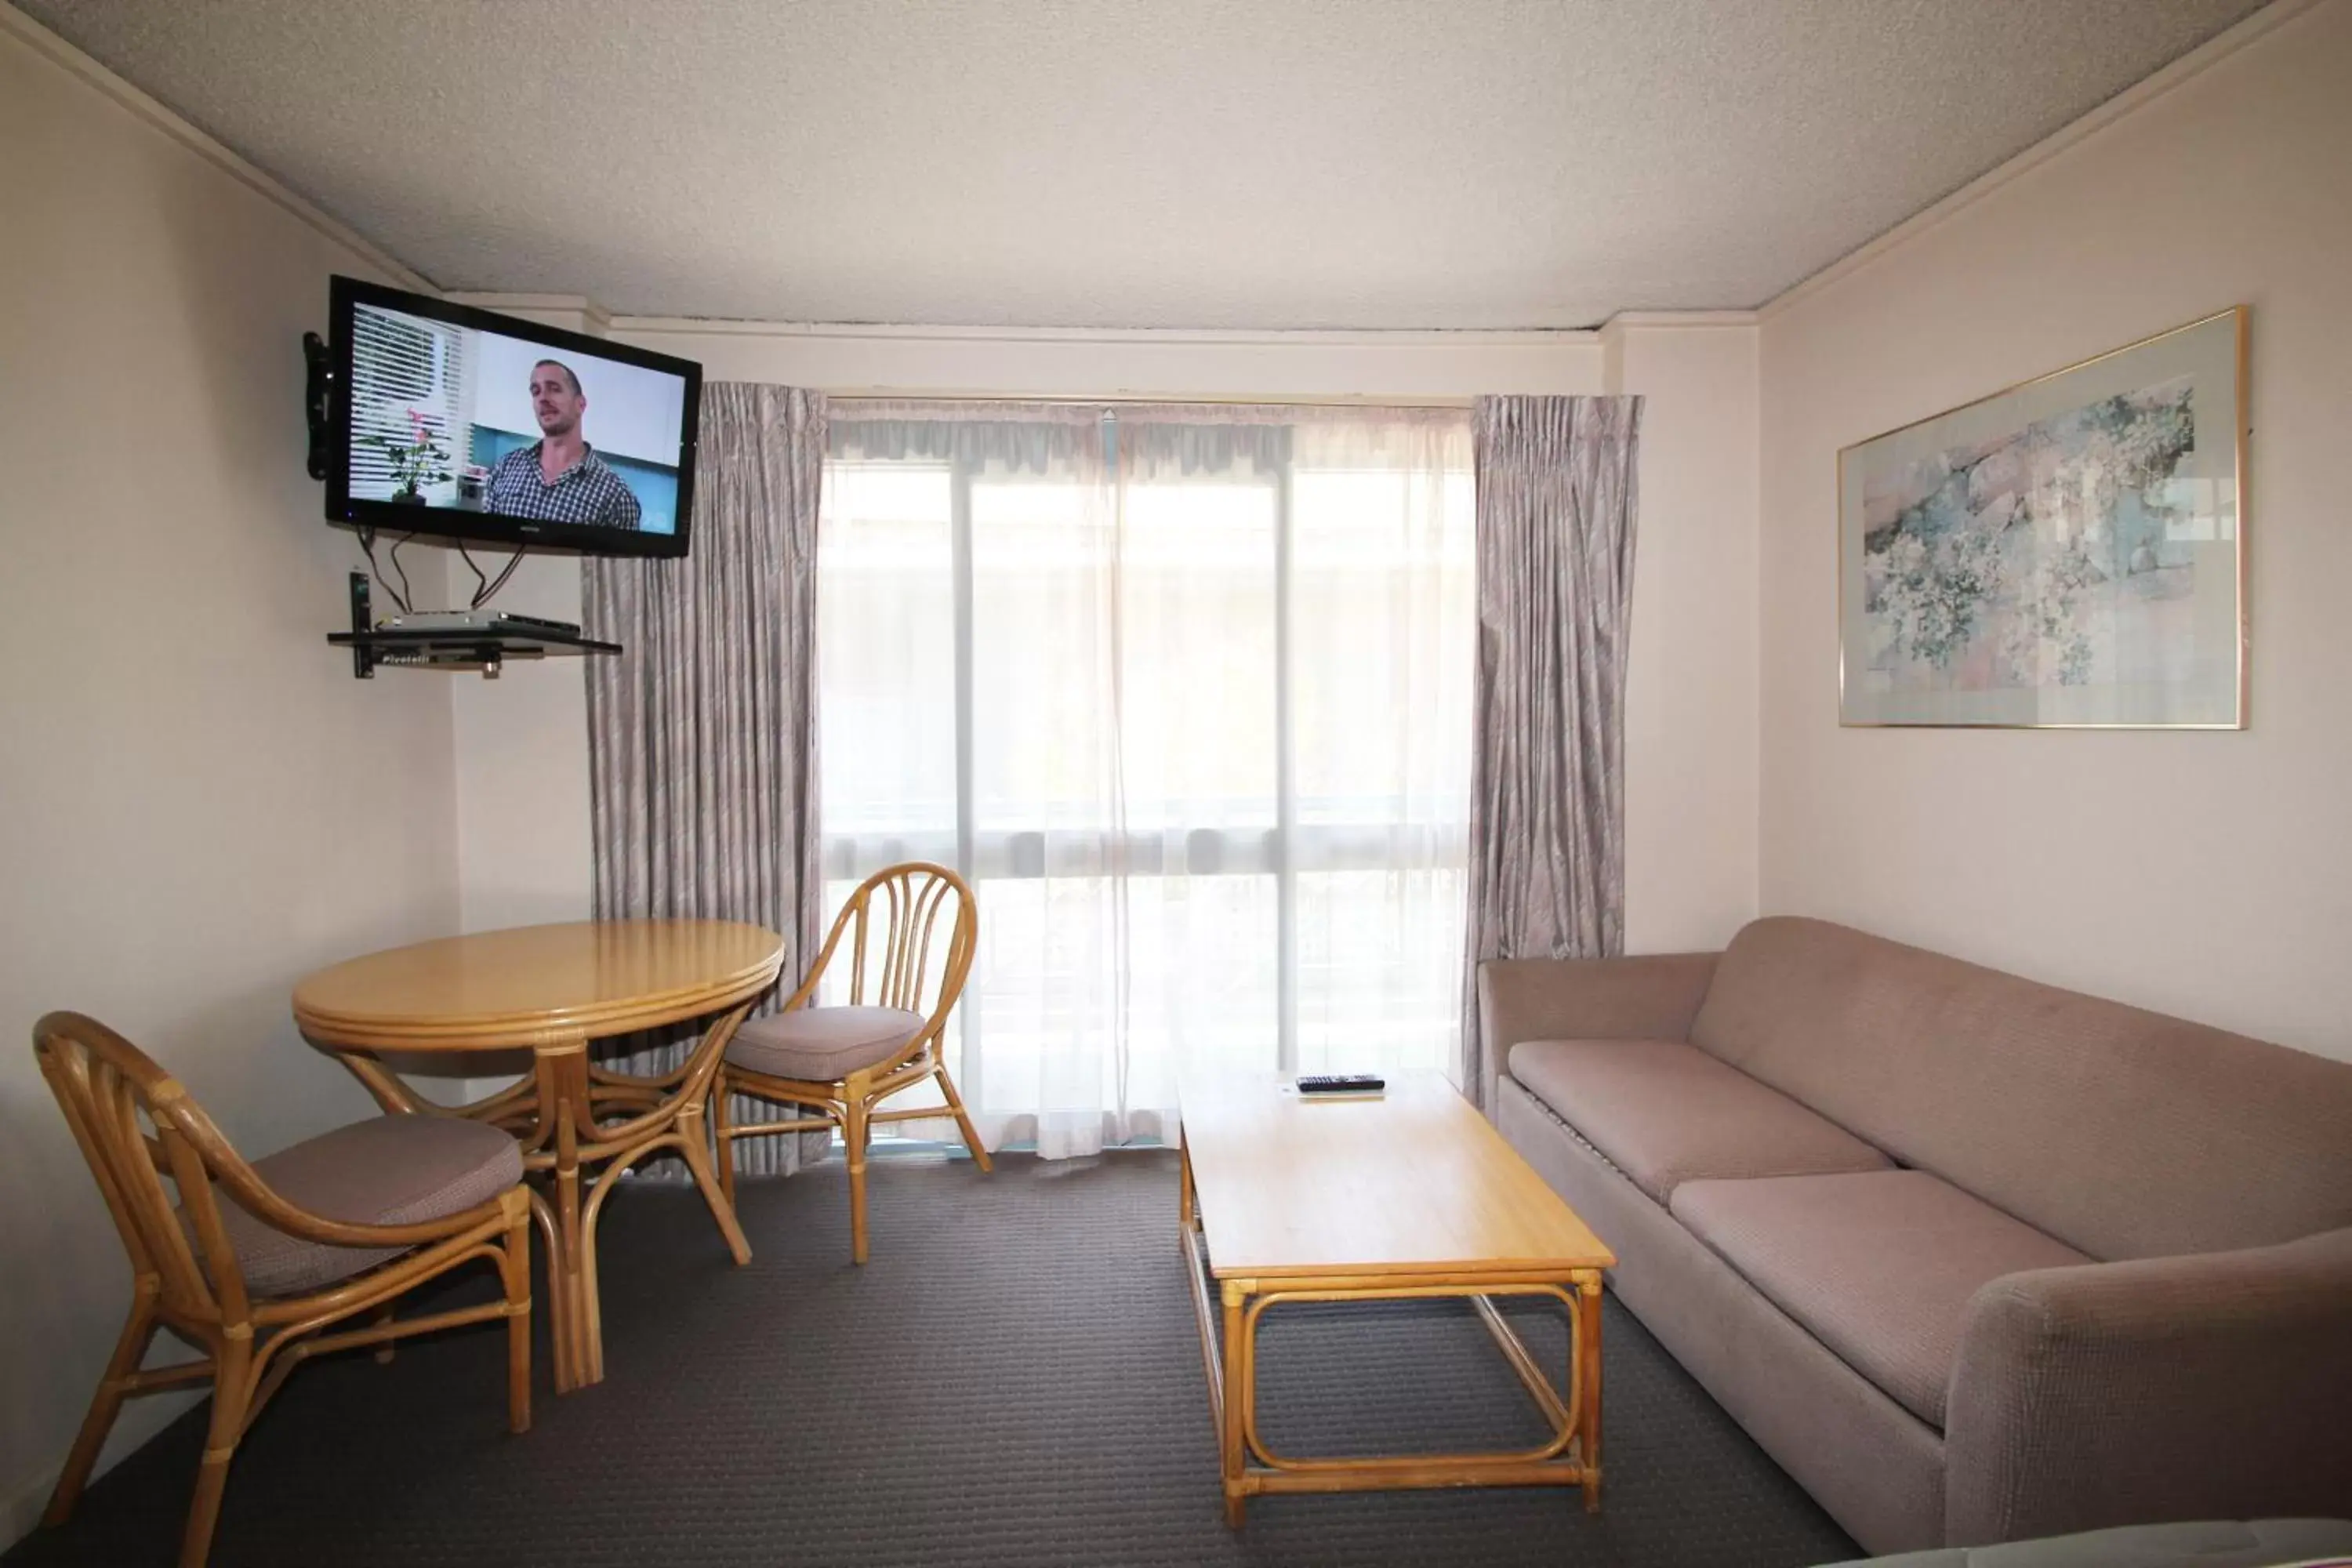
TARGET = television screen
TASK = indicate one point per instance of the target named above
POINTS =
(454, 421)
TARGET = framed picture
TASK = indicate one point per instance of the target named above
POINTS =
(2067, 553)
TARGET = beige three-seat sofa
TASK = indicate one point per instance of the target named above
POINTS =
(1974, 1258)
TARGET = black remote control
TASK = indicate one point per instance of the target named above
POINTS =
(1341, 1083)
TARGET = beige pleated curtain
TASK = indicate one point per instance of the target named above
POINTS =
(702, 733)
(1557, 496)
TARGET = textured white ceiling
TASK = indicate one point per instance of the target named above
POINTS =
(1249, 163)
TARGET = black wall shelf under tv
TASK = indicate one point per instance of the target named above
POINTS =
(467, 648)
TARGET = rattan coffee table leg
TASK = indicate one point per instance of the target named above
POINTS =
(1588, 1347)
(1236, 1403)
(1184, 1184)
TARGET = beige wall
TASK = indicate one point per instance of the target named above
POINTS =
(2204, 874)
(521, 748)
(522, 769)
(1690, 688)
(200, 802)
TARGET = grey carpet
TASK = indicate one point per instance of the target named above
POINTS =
(1013, 1379)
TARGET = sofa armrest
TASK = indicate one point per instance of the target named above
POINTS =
(1652, 997)
(2209, 1386)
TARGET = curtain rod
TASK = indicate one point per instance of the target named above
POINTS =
(874, 394)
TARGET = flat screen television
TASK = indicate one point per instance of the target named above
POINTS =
(434, 419)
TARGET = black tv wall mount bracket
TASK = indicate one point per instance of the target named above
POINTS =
(318, 403)
(363, 657)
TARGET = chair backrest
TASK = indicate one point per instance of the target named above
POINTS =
(912, 931)
(138, 1127)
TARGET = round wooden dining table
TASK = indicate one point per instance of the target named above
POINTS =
(552, 990)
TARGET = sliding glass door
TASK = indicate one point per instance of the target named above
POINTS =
(1185, 693)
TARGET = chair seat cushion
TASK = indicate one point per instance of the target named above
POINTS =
(821, 1044)
(1664, 1114)
(1878, 1266)
(393, 1170)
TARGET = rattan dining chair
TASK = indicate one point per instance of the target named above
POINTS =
(842, 1062)
(331, 1229)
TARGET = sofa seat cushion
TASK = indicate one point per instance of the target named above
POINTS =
(393, 1170)
(1664, 1114)
(1878, 1266)
(821, 1044)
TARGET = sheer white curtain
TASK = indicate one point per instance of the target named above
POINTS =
(1185, 690)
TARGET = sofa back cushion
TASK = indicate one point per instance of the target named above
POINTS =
(2122, 1132)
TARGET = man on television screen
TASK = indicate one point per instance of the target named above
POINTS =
(559, 477)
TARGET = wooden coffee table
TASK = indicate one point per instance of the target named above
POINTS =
(1409, 1195)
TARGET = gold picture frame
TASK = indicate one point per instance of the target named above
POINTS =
(2068, 553)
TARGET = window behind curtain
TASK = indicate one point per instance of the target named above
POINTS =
(407, 376)
(1185, 693)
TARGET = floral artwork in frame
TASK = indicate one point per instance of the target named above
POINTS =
(2067, 553)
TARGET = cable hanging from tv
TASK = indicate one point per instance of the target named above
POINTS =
(486, 589)
(367, 547)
